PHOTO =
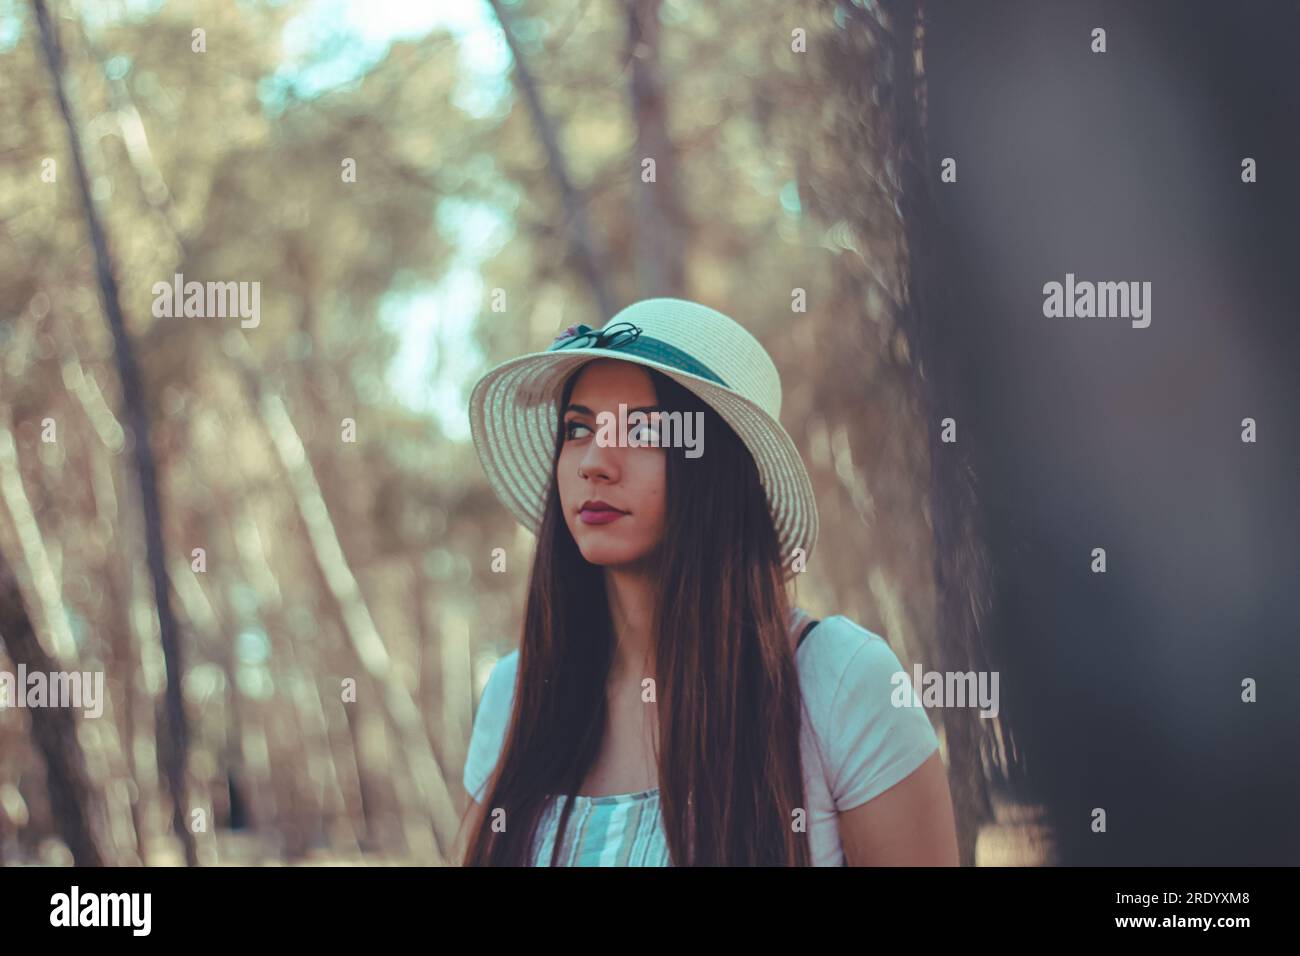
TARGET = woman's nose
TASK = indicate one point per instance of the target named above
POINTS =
(600, 460)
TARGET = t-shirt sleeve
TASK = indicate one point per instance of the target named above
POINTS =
(874, 742)
(490, 725)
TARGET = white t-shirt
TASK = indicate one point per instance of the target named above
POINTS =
(855, 743)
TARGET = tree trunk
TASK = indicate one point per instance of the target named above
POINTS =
(174, 743)
(54, 730)
(660, 232)
(960, 563)
(583, 246)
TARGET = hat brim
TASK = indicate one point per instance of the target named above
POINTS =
(514, 418)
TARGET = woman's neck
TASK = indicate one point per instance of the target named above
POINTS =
(631, 594)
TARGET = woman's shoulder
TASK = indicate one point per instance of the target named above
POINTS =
(867, 718)
(490, 723)
(836, 656)
(499, 691)
(834, 646)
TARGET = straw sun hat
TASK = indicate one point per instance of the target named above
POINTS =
(514, 408)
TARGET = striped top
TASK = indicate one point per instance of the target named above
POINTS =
(863, 730)
(619, 829)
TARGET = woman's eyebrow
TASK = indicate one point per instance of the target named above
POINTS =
(584, 410)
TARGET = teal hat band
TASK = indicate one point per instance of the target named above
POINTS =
(628, 338)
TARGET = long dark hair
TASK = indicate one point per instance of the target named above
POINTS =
(729, 765)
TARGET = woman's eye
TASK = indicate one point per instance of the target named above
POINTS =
(570, 425)
(645, 435)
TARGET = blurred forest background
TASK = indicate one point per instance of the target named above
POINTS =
(497, 150)
(485, 159)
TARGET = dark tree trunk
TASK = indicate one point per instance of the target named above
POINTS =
(173, 745)
(54, 731)
(961, 569)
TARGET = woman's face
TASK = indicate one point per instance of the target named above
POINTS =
(630, 480)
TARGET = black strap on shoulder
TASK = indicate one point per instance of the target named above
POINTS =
(804, 633)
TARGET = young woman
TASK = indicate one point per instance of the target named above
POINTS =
(662, 708)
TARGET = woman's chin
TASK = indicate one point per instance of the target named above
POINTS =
(604, 557)
(612, 557)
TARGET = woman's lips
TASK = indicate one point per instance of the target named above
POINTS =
(599, 515)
